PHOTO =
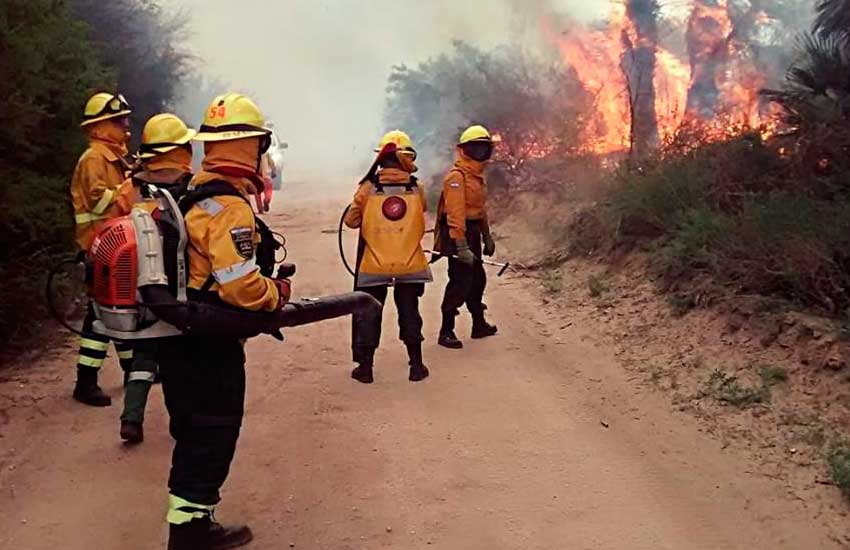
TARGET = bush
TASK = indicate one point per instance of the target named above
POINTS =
(50, 63)
(752, 217)
(145, 45)
(47, 70)
(839, 467)
(535, 105)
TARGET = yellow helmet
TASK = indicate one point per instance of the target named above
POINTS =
(232, 116)
(163, 133)
(103, 106)
(401, 139)
(475, 133)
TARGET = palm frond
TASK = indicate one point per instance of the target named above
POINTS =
(833, 18)
(817, 85)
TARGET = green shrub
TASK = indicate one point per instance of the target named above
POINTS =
(772, 375)
(839, 467)
(597, 286)
(729, 389)
(48, 68)
(740, 214)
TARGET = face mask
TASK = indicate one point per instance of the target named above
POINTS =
(480, 151)
(407, 160)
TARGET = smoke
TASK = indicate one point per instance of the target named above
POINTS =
(319, 68)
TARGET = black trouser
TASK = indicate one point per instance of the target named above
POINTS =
(366, 327)
(203, 380)
(466, 283)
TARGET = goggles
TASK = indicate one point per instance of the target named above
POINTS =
(115, 105)
(478, 150)
(407, 151)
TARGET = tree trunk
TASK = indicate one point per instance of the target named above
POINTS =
(640, 40)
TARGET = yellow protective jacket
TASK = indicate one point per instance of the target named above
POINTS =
(222, 245)
(94, 187)
(464, 197)
(390, 251)
(167, 171)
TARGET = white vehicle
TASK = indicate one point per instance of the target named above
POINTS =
(275, 157)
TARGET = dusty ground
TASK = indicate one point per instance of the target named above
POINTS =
(538, 438)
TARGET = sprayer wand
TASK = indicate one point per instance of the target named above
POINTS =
(504, 266)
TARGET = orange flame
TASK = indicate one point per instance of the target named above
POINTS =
(596, 56)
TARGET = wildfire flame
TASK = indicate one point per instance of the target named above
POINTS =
(716, 88)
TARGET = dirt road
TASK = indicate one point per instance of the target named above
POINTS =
(534, 439)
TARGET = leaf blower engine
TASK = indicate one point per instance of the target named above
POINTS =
(137, 270)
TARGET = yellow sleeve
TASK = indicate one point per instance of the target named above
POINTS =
(98, 192)
(233, 263)
(454, 199)
(354, 218)
(125, 198)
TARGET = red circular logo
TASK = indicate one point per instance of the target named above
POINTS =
(394, 208)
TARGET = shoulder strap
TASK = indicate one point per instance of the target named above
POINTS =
(375, 181)
(409, 186)
(268, 243)
(216, 188)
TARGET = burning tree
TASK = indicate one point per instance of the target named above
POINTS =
(640, 44)
(707, 51)
(644, 89)
(620, 88)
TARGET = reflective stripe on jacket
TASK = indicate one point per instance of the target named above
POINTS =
(94, 188)
(222, 244)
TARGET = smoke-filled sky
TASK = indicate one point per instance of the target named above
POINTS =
(319, 68)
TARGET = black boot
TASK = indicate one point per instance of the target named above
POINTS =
(449, 341)
(223, 537)
(418, 370)
(480, 327)
(87, 391)
(132, 432)
(447, 337)
(364, 357)
(363, 373)
(194, 535)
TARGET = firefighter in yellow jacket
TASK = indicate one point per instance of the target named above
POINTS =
(203, 378)
(165, 157)
(463, 234)
(94, 189)
(389, 209)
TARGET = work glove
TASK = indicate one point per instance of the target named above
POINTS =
(489, 245)
(284, 290)
(464, 254)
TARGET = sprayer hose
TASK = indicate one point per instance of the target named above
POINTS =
(51, 304)
(339, 238)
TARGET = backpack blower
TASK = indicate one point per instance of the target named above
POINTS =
(137, 270)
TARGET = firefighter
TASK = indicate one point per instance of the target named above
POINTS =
(389, 209)
(94, 189)
(165, 157)
(203, 378)
(463, 234)
(267, 172)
